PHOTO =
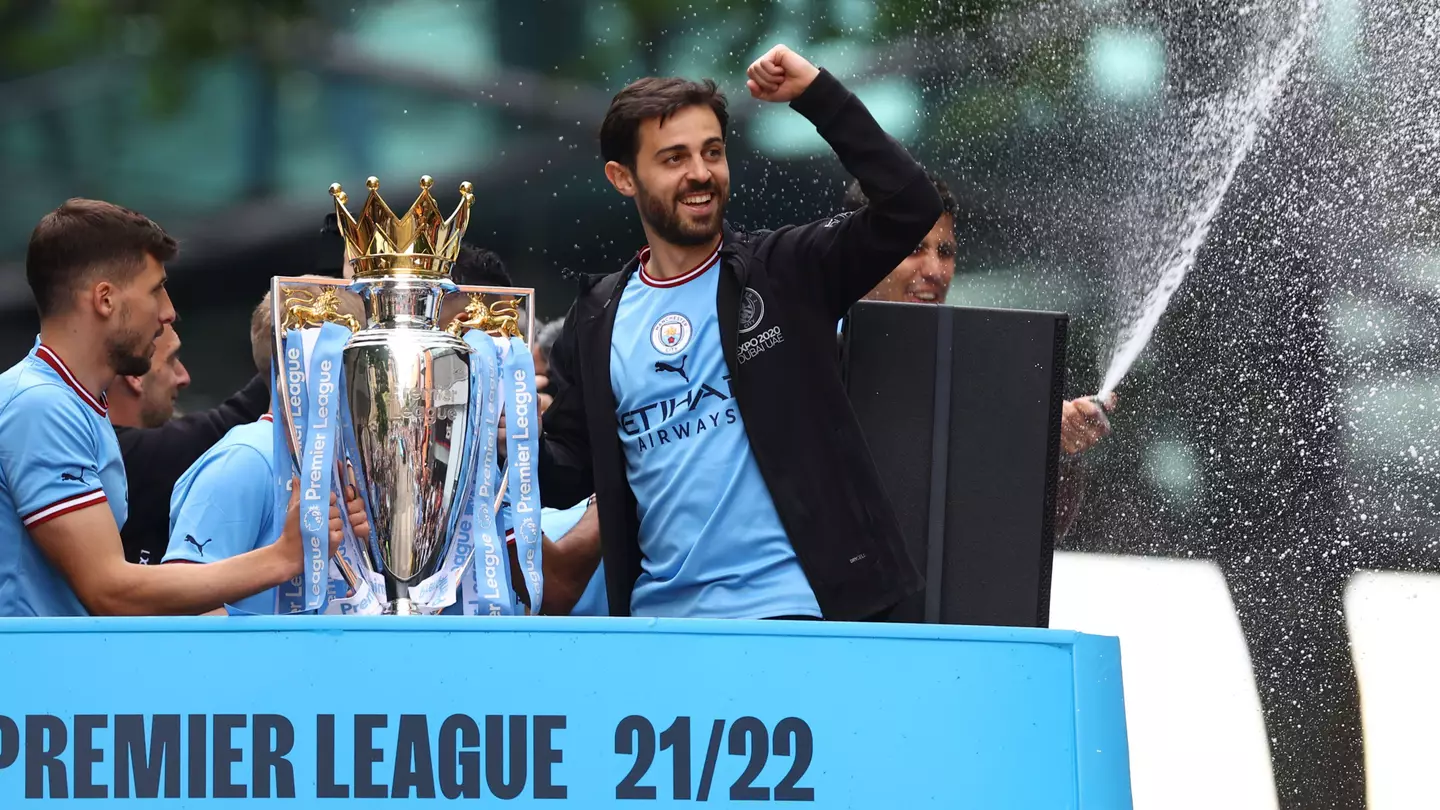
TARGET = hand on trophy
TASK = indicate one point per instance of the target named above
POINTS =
(355, 509)
(290, 546)
(780, 75)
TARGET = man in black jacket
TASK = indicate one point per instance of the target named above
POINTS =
(704, 407)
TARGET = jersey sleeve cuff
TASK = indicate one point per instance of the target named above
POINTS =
(64, 506)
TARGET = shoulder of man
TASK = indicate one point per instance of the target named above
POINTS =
(42, 401)
(596, 288)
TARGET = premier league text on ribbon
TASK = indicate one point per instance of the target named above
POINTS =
(318, 473)
(407, 756)
(525, 467)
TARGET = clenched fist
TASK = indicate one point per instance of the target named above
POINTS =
(780, 75)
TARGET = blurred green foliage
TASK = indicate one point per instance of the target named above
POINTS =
(168, 36)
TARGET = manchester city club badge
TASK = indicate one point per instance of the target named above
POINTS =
(671, 334)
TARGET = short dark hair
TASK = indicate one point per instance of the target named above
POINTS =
(480, 267)
(654, 97)
(84, 237)
(855, 197)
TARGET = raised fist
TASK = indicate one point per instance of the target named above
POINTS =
(780, 75)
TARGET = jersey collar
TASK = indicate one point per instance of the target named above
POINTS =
(51, 359)
(693, 273)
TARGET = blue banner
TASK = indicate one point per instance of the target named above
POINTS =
(694, 713)
(522, 436)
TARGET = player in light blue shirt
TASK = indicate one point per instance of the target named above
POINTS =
(58, 456)
(712, 541)
(223, 506)
(97, 273)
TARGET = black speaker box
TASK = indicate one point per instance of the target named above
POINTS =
(961, 410)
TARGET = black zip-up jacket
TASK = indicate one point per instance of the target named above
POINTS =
(794, 284)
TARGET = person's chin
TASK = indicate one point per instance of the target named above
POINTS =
(703, 230)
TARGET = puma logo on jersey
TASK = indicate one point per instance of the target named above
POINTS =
(199, 547)
(660, 366)
(68, 477)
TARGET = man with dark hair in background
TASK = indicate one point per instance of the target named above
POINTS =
(703, 403)
(924, 277)
(98, 276)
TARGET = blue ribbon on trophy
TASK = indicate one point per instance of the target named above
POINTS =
(319, 429)
(356, 587)
(487, 587)
(311, 396)
(475, 569)
(522, 434)
(353, 585)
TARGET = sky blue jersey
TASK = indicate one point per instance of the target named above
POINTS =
(223, 506)
(711, 540)
(58, 454)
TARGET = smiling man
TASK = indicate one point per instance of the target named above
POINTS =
(703, 404)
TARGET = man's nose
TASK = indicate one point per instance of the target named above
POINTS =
(699, 173)
(167, 309)
(932, 267)
(182, 376)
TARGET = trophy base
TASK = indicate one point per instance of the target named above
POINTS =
(402, 607)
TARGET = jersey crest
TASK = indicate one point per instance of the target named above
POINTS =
(752, 310)
(671, 334)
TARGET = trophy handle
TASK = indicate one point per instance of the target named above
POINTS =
(501, 311)
(501, 317)
(292, 306)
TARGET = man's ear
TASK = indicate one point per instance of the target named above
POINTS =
(621, 178)
(135, 384)
(104, 297)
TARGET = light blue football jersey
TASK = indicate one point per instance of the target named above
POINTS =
(223, 506)
(711, 541)
(555, 523)
(58, 454)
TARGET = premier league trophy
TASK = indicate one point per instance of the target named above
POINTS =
(406, 409)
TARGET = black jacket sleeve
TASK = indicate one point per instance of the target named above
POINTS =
(178, 443)
(849, 254)
(566, 466)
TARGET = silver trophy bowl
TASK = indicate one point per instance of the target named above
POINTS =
(410, 433)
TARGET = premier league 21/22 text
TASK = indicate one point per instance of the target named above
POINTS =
(406, 756)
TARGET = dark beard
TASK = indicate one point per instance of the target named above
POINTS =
(122, 350)
(667, 223)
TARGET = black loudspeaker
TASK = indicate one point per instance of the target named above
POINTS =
(961, 411)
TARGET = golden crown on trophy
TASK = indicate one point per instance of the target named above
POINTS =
(422, 243)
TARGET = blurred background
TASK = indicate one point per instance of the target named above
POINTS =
(1261, 529)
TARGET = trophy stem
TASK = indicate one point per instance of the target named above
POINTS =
(403, 607)
(401, 303)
